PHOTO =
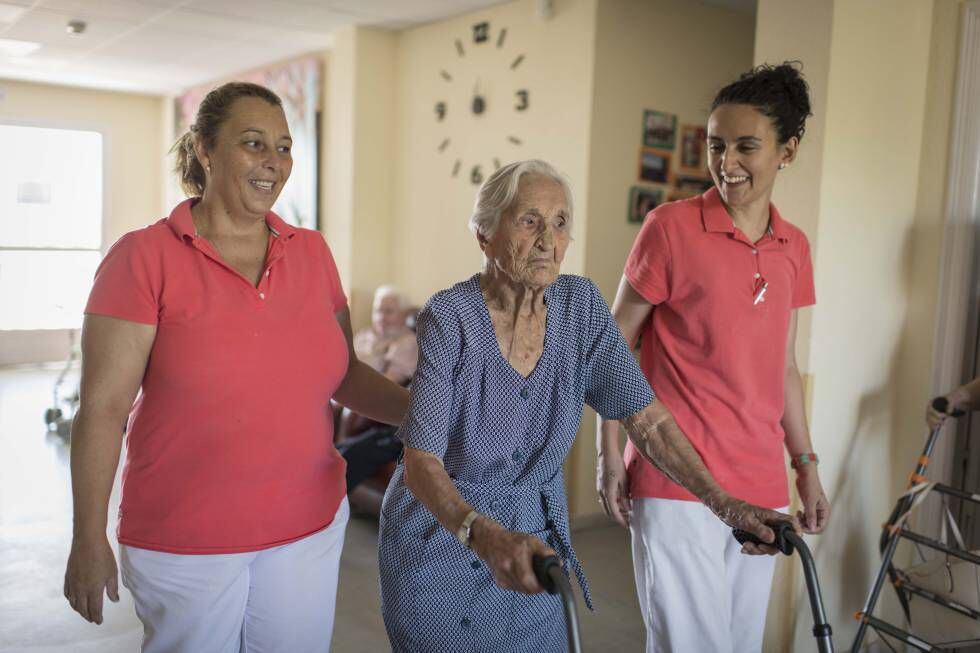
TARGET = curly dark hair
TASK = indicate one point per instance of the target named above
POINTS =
(779, 92)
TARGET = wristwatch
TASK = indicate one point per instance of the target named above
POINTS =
(465, 530)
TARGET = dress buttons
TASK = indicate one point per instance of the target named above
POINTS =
(524, 393)
(262, 294)
(756, 275)
(465, 622)
(495, 505)
(516, 455)
(475, 564)
(754, 251)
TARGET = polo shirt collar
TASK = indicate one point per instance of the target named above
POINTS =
(182, 222)
(716, 218)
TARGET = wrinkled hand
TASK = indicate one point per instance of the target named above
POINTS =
(816, 508)
(613, 488)
(753, 519)
(91, 570)
(958, 399)
(509, 555)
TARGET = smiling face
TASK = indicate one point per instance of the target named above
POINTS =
(532, 235)
(744, 154)
(250, 161)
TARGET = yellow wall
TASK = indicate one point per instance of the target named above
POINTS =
(432, 247)
(358, 168)
(134, 158)
(872, 203)
(670, 55)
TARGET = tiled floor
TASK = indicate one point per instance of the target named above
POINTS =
(35, 532)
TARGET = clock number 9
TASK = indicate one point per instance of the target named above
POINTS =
(523, 103)
(476, 175)
(440, 111)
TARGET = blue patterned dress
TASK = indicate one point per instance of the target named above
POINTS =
(503, 439)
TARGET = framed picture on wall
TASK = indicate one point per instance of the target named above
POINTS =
(659, 129)
(692, 158)
(694, 185)
(654, 165)
(643, 199)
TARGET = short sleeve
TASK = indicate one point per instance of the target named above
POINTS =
(803, 292)
(126, 285)
(336, 289)
(614, 386)
(648, 265)
(426, 425)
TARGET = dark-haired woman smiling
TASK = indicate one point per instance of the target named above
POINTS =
(713, 285)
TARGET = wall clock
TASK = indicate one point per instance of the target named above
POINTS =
(482, 85)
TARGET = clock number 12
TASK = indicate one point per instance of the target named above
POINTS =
(481, 32)
(476, 175)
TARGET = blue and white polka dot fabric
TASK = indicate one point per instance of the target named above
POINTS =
(503, 439)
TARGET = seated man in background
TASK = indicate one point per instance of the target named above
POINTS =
(388, 346)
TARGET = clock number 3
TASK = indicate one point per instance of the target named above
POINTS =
(476, 175)
(522, 100)
(440, 110)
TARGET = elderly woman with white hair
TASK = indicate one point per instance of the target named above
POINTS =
(507, 359)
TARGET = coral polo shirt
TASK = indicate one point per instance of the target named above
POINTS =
(714, 348)
(230, 444)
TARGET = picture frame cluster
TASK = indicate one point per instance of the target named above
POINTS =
(673, 164)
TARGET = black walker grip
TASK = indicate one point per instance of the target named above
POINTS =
(780, 528)
(542, 569)
(941, 405)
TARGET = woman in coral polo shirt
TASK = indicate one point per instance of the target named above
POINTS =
(233, 327)
(713, 284)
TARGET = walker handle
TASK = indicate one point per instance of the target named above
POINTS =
(780, 528)
(941, 405)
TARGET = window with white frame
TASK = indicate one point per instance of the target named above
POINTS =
(50, 225)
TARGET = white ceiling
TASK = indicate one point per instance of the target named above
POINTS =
(164, 46)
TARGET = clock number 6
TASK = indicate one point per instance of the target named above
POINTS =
(476, 175)
(440, 110)
(522, 103)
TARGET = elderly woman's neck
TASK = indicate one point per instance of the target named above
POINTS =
(504, 294)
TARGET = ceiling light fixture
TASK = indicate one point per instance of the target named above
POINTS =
(15, 48)
(76, 27)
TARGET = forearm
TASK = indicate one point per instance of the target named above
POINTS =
(967, 395)
(607, 440)
(428, 480)
(658, 439)
(96, 440)
(794, 415)
(367, 392)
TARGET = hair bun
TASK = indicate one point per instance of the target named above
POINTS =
(780, 92)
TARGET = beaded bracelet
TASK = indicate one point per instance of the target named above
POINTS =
(803, 459)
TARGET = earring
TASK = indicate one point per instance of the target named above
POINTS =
(782, 166)
(208, 166)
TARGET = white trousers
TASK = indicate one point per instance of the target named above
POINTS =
(697, 591)
(279, 599)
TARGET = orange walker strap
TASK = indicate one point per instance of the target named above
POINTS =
(924, 460)
(915, 479)
(860, 616)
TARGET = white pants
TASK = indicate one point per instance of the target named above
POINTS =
(697, 591)
(279, 599)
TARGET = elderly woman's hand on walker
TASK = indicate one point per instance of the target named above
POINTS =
(508, 554)
(658, 439)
